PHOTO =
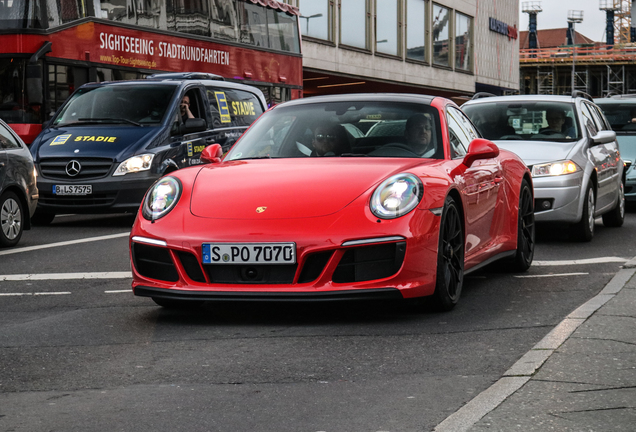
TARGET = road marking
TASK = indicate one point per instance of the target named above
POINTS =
(64, 243)
(601, 260)
(34, 294)
(118, 291)
(552, 275)
(63, 276)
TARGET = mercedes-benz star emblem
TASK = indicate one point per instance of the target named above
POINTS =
(73, 168)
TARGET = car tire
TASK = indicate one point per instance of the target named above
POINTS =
(176, 304)
(525, 229)
(42, 218)
(450, 259)
(11, 219)
(615, 217)
(584, 230)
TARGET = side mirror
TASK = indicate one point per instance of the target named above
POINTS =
(193, 125)
(604, 137)
(212, 154)
(480, 148)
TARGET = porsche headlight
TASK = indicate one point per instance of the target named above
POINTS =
(134, 164)
(161, 198)
(555, 169)
(396, 196)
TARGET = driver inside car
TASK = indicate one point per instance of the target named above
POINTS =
(418, 134)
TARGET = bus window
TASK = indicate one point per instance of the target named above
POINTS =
(233, 107)
(14, 103)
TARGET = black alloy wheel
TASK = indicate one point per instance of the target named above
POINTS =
(525, 229)
(450, 258)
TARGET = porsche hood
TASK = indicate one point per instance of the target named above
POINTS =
(277, 189)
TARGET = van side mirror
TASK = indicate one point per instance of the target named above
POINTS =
(193, 125)
(212, 154)
(480, 148)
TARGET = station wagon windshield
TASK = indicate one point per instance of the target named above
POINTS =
(545, 121)
(344, 129)
(127, 105)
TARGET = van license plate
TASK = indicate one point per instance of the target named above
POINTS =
(249, 253)
(72, 189)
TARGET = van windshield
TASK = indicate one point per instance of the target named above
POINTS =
(134, 105)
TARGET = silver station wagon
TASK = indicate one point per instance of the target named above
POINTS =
(571, 150)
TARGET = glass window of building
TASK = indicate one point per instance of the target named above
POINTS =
(441, 33)
(463, 42)
(353, 23)
(386, 33)
(416, 30)
(315, 18)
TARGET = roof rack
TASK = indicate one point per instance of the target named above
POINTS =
(482, 95)
(579, 93)
(186, 75)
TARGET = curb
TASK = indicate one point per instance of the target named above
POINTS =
(523, 370)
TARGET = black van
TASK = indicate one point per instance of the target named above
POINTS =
(110, 141)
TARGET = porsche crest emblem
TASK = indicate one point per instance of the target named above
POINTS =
(260, 209)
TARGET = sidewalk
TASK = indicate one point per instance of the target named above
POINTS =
(580, 378)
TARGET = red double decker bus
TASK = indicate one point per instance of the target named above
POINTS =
(50, 47)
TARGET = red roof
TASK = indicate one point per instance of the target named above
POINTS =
(552, 38)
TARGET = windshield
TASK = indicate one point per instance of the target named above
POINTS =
(347, 129)
(546, 121)
(622, 117)
(130, 104)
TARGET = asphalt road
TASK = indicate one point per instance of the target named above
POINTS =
(78, 352)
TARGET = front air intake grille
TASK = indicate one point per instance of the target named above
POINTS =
(191, 265)
(89, 168)
(365, 263)
(251, 274)
(98, 199)
(314, 265)
(154, 262)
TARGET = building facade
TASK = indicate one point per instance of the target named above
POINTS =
(450, 48)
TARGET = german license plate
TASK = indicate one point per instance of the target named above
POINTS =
(72, 189)
(249, 253)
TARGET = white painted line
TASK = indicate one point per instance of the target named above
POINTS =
(34, 294)
(65, 276)
(551, 275)
(64, 243)
(601, 260)
(118, 291)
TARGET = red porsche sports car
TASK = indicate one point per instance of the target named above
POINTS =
(371, 196)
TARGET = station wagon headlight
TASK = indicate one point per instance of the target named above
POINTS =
(396, 196)
(555, 169)
(161, 198)
(134, 164)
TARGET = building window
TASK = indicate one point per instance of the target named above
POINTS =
(387, 32)
(353, 23)
(416, 30)
(441, 44)
(463, 42)
(315, 18)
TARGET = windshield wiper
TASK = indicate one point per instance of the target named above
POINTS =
(107, 120)
(353, 155)
(255, 157)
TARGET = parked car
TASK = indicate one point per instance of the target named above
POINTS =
(18, 189)
(620, 111)
(376, 217)
(110, 141)
(570, 148)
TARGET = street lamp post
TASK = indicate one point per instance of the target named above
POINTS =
(310, 17)
(574, 16)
